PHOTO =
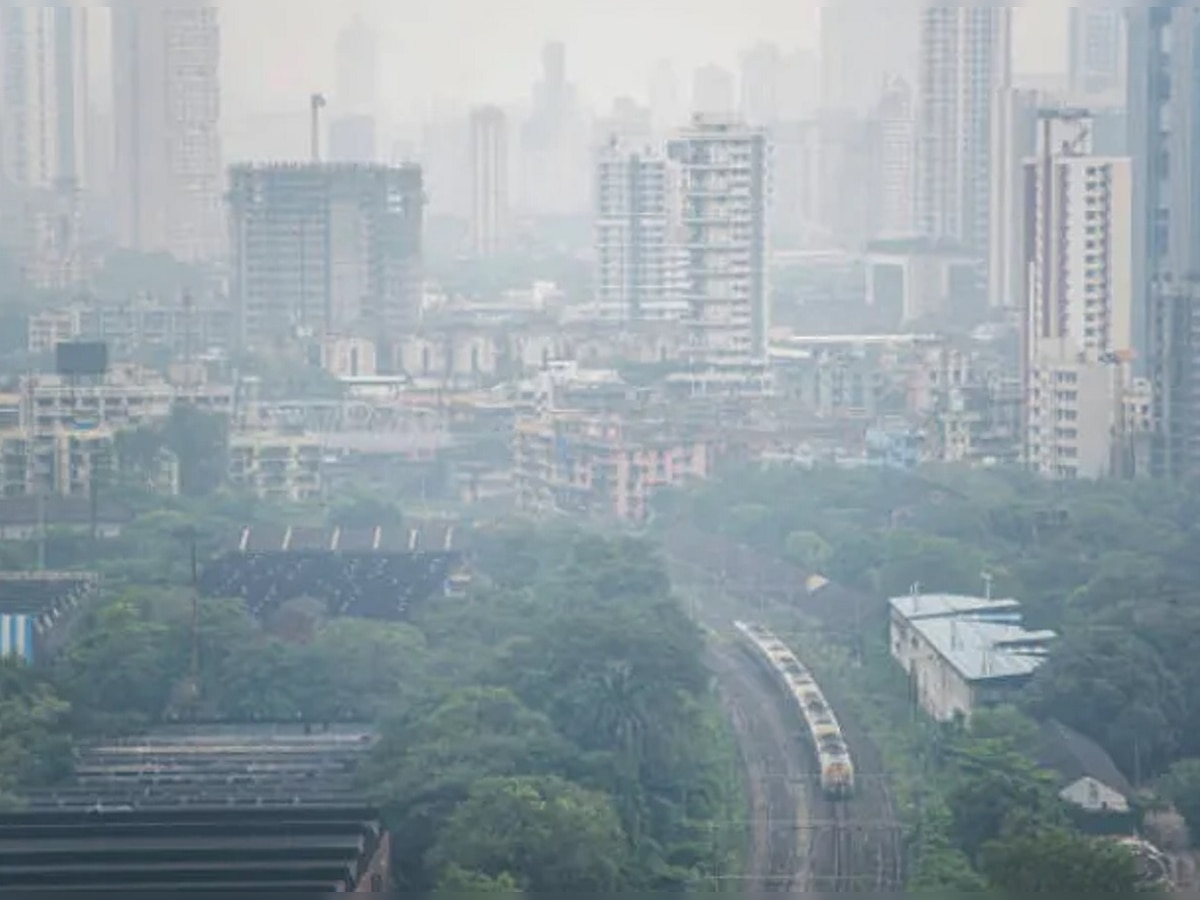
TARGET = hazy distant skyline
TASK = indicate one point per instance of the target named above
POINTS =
(450, 53)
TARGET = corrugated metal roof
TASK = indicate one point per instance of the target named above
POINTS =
(980, 650)
(929, 606)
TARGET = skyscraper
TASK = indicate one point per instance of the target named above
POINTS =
(167, 109)
(725, 194)
(862, 44)
(762, 84)
(897, 130)
(44, 97)
(1164, 119)
(1014, 140)
(1077, 300)
(965, 58)
(489, 180)
(639, 245)
(357, 76)
(1096, 52)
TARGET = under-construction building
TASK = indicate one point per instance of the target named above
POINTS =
(325, 249)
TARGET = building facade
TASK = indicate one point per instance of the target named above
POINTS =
(639, 239)
(490, 181)
(167, 111)
(325, 249)
(965, 57)
(1078, 329)
(897, 161)
(1014, 140)
(1096, 49)
(725, 196)
(1164, 118)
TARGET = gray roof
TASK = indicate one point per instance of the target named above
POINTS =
(925, 606)
(981, 638)
(1073, 756)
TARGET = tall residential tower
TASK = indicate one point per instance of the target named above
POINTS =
(489, 180)
(167, 110)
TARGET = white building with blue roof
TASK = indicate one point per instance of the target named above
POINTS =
(963, 652)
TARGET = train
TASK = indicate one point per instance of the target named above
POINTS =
(824, 731)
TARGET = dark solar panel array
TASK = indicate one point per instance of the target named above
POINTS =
(42, 593)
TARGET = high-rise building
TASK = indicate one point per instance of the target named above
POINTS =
(863, 43)
(1077, 328)
(1014, 139)
(639, 240)
(167, 109)
(1096, 51)
(321, 250)
(555, 144)
(897, 129)
(713, 91)
(1164, 120)
(356, 80)
(44, 113)
(762, 84)
(668, 109)
(725, 193)
(44, 101)
(965, 59)
(489, 180)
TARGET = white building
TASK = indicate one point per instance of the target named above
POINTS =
(167, 101)
(725, 197)
(965, 58)
(1014, 139)
(639, 236)
(1078, 332)
(761, 84)
(962, 653)
(489, 180)
(896, 117)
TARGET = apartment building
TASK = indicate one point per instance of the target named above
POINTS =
(490, 180)
(127, 397)
(601, 464)
(965, 57)
(1078, 333)
(180, 328)
(725, 194)
(277, 466)
(640, 252)
(167, 111)
(66, 462)
(325, 249)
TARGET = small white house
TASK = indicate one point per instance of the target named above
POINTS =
(1087, 776)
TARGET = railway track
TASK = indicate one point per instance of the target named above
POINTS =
(834, 847)
(777, 777)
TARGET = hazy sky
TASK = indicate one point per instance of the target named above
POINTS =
(436, 52)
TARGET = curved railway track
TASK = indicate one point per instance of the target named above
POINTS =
(826, 846)
(777, 776)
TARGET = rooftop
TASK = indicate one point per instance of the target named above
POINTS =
(933, 606)
(981, 649)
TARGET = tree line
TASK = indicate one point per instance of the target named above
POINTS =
(1112, 567)
(553, 730)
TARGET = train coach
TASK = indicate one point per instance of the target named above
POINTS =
(824, 731)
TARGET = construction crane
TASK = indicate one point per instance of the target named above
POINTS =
(316, 104)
